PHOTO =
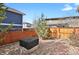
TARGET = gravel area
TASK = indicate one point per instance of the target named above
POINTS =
(50, 47)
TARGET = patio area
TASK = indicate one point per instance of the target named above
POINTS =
(46, 47)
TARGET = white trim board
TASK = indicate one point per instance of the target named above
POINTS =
(10, 24)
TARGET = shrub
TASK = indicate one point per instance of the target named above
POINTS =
(74, 41)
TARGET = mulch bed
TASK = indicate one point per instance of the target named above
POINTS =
(45, 48)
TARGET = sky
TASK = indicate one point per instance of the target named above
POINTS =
(50, 10)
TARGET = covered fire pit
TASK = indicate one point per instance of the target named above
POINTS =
(29, 43)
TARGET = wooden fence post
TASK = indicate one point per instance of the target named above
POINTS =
(59, 33)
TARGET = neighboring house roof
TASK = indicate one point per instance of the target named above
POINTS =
(15, 11)
(61, 18)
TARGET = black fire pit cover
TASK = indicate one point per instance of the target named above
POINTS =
(29, 43)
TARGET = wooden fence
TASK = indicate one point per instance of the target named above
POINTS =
(14, 36)
(64, 33)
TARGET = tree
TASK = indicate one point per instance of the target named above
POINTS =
(41, 27)
(3, 16)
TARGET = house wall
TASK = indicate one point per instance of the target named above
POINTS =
(54, 22)
(27, 25)
(13, 18)
(72, 22)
